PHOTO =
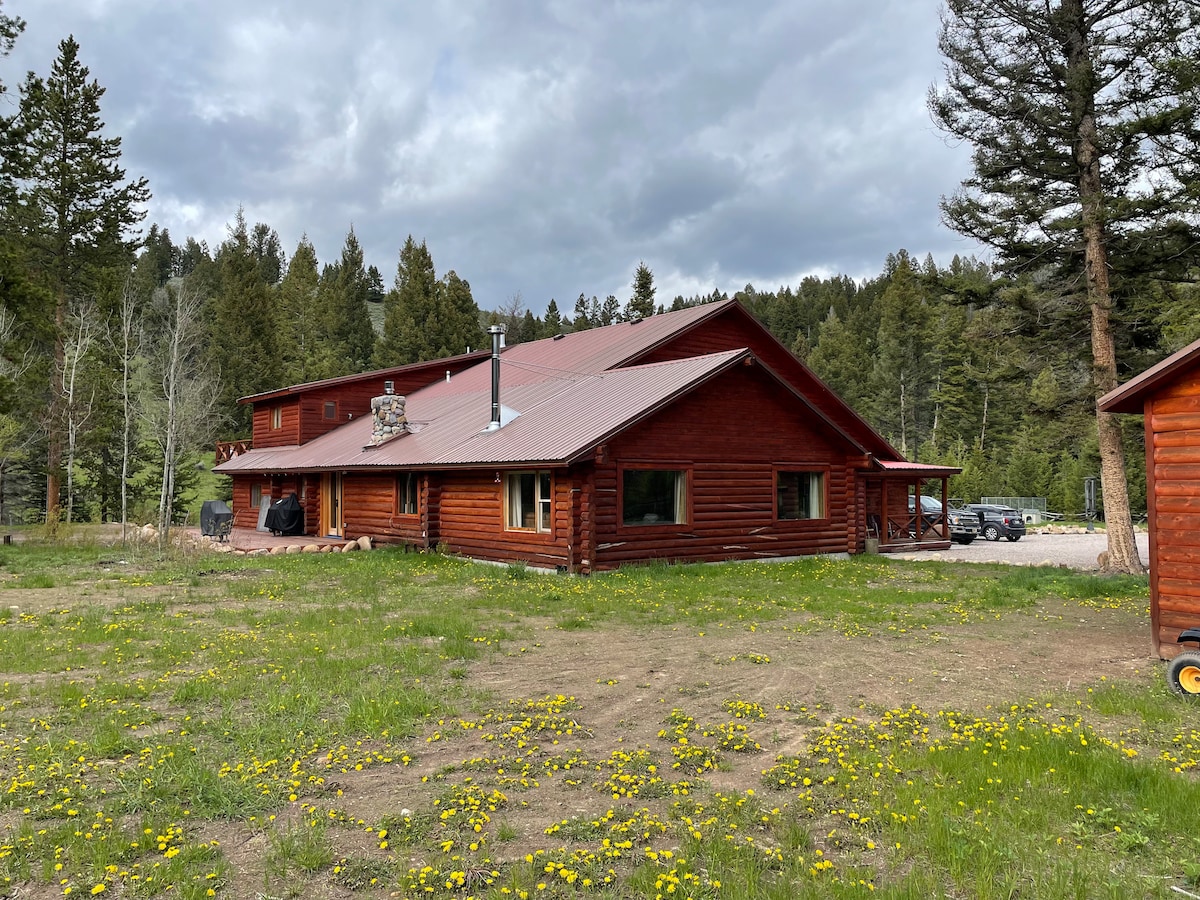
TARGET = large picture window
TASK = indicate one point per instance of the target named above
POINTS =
(800, 495)
(528, 502)
(654, 497)
(406, 494)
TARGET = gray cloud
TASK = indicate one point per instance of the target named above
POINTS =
(540, 148)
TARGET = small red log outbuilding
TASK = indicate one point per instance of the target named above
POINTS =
(1168, 396)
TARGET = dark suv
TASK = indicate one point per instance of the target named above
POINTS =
(963, 527)
(997, 522)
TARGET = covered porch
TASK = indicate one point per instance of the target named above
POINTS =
(893, 511)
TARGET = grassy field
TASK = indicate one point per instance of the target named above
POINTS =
(400, 725)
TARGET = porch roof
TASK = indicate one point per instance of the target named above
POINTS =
(902, 469)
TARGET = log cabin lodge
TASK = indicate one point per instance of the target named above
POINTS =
(692, 435)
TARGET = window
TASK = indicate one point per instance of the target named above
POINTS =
(654, 497)
(406, 494)
(800, 495)
(255, 496)
(330, 409)
(276, 417)
(528, 502)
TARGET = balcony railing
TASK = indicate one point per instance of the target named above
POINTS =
(227, 450)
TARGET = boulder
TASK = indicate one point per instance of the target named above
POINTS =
(364, 542)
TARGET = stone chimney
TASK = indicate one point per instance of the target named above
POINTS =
(387, 418)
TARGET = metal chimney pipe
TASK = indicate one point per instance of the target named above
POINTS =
(497, 332)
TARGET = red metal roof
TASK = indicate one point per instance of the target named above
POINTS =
(435, 367)
(1131, 396)
(571, 391)
(918, 470)
(448, 428)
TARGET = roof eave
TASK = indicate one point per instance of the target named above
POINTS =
(1131, 396)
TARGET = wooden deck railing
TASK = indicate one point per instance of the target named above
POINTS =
(227, 450)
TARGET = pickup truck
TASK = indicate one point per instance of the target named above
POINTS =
(963, 524)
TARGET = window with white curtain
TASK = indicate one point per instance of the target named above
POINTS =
(528, 502)
(800, 495)
(654, 497)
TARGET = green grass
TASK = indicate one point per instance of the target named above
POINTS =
(156, 712)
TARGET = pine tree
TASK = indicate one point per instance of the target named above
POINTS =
(1087, 159)
(347, 320)
(552, 321)
(610, 312)
(641, 304)
(903, 370)
(410, 308)
(458, 328)
(531, 328)
(302, 339)
(243, 351)
(71, 205)
(582, 319)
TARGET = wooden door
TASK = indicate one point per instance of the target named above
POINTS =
(331, 505)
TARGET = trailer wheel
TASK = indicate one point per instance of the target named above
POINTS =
(1183, 674)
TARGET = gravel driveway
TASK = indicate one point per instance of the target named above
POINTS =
(1076, 551)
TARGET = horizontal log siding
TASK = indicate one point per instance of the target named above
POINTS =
(307, 418)
(245, 515)
(349, 404)
(369, 504)
(714, 433)
(286, 434)
(471, 521)
(729, 331)
(1172, 425)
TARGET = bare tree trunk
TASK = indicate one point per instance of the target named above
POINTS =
(983, 423)
(128, 334)
(54, 441)
(77, 413)
(171, 382)
(1122, 548)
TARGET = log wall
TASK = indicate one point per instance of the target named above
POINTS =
(1172, 424)
(369, 507)
(717, 436)
(734, 329)
(288, 432)
(462, 511)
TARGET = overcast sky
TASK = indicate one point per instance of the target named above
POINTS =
(539, 148)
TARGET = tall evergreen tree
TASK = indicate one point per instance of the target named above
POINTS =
(302, 339)
(72, 206)
(530, 328)
(552, 321)
(1082, 116)
(458, 319)
(641, 304)
(243, 349)
(348, 323)
(610, 312)
(409, 308)
(582, 319)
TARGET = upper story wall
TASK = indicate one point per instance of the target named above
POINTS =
(308, 411)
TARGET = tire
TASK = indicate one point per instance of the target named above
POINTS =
(991, 532)
(1183, 674)
(1013, 537)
